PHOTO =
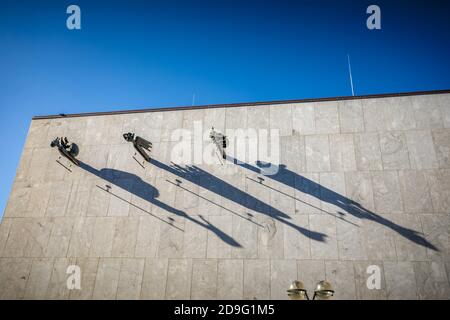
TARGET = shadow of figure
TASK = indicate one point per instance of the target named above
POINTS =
(288, 177)
(135, 185)
(212, 183)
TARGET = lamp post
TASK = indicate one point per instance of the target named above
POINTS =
(297, 291)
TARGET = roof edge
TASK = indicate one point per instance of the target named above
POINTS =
(243, 104)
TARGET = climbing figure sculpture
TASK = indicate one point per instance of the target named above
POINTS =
(220, 141)
(66, 148)
(140, 144)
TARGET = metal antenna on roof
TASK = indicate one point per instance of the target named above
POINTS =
(350, 73)
(193, 98)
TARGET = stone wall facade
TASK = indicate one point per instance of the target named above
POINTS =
(362, 182)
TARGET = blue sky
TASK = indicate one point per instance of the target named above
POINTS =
(136, 54)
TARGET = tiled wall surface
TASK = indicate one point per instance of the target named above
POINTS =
(362, 182)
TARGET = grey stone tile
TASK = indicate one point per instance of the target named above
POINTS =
(171, 243)
(415, 192)
(282, 273)
(28, 237)
(190, 117)
(154, 279)
(436, 230)
(441, 140)
(400, 114)
(358, 186)
(148, 237)
(37, 134)
(120, 198)
(59, 197)
(104, 130)
(332, 192)
(368, 152)
(39, 162)
(103, 236)
(195, 239)
(245, 232)
(186, 198)
(41, 271)
(310, 272)
(427, 112)
(130, 279)
(439, 184)
(172, 120)
(342, 153)
(327, 117)
(79, 198)
(38, 200)
(386, 192)
(281, 119)
(236, 118)
(258, 117)
(303, 118)
(350, 238)
(325, 224)
(204, 279)
(394, 151)
(447, 268)
(375, 114)
(365, 273)
(14, 275)
(88, 268)
(153, 123)
(444, 103)
(282, 195)
(256, 279)
(216, 118)
(82, 237)
(179, 277)
(5, 226)
(125, 236)
(297, 245)
(293, 153)
(57, 288)
(230, 279)
(421, 151)
(98, 202)
(378, 235)
(400, 280)
(17, 205)
(432, 281)
(270, 238)
(342, 277)
(22, 171)
(217, 247)
(107, 280)
(307, 193)
(141, 205)
(408, 243)
(60, 236)
(351, 116)
(317, 153)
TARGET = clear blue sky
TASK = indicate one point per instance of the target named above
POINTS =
(136, 54)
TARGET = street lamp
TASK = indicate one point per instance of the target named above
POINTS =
(297, 291)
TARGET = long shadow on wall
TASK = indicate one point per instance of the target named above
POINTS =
(214, 184)
(135, 185)
(304, 185)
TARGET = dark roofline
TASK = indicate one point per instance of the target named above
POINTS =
(245, 104)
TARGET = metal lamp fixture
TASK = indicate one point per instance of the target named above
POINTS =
(297, 291)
